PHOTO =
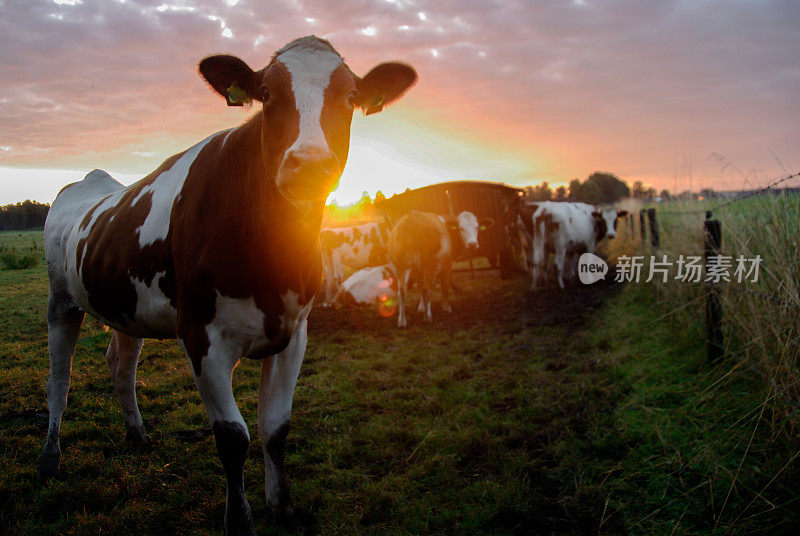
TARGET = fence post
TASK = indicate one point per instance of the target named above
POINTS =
(642, 231)
(654, 238)
(713, 234)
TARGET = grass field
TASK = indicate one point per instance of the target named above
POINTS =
(588, 411)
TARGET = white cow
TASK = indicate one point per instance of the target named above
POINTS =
(370, 286)
(567, 230)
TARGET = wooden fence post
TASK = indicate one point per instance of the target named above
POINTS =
(642, 235)
(654, 237)
(714, 335)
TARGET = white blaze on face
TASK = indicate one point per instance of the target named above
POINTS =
(468, 229)
(311, 71)
(610, 216)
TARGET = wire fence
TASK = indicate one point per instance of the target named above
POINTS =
(716, 346)
(710, 210)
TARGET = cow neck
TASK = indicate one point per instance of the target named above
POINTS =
(262, 243)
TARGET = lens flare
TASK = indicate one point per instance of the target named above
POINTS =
(387, 307)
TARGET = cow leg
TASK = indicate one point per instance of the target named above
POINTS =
(64, 321)
(427, 282)
(330, 280)
(445, 281)
(278, 378)
(230, 433)
(402, 292)
(123, 356)
(560, 259)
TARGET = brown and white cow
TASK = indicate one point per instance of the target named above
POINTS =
(219, 248)
(358, 246)
(566, 230)
(427, 244)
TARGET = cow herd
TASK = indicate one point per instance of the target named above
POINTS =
(220, 248)
(423, 245)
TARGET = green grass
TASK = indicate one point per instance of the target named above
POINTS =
(21, 249)
(493, 421)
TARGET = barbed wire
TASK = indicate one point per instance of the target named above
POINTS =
(710, 210)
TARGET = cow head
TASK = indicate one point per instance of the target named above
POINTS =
(606, 222)
(307, 95)
(467, 225)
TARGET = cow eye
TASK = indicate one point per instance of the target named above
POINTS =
(263, 93)
(351, 99)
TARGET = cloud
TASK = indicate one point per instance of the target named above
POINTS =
(627, 85)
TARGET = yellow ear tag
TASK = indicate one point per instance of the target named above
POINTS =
(376, 106)
(236, 95)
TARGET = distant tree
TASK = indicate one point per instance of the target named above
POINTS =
(708, 193)
(664, 194)
(542, 192)
(379, 197)
(561, 194)
(574, 189)
(23, 215)
(602, 187)
(638, 191)
(650, 193)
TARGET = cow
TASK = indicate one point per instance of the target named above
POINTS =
(356, 247)
(427, 244)
(567, 230)
(369, 286)
(217, 248)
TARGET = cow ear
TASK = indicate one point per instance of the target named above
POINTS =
(486, 223)
(622, 213)
(383, 85)
(230, 77)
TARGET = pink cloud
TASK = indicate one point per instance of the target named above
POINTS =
(624, 85)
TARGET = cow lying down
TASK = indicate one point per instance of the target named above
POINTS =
(369, 286)
(567, 230)
(356, 247)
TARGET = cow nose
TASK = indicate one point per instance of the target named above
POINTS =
(311, 163)
(472, 246)
(611, 235)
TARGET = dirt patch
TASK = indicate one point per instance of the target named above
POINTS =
(478, 300)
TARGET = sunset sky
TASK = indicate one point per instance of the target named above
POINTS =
(677, 94)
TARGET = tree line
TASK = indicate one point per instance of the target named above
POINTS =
(22, 215)
(598, 188)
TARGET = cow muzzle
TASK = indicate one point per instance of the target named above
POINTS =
(308, 174)
(472, 247)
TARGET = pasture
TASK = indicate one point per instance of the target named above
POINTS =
(588, 411)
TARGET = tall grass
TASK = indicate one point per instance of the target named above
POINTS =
(760, 318)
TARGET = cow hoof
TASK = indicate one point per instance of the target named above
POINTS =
(293, 519)
(137, 437)
(49, 463)
(448, 309)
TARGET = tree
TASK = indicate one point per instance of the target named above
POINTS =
(574, 189)
(638, 191)
(602, 187)
(561, 194)
(664, 194)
